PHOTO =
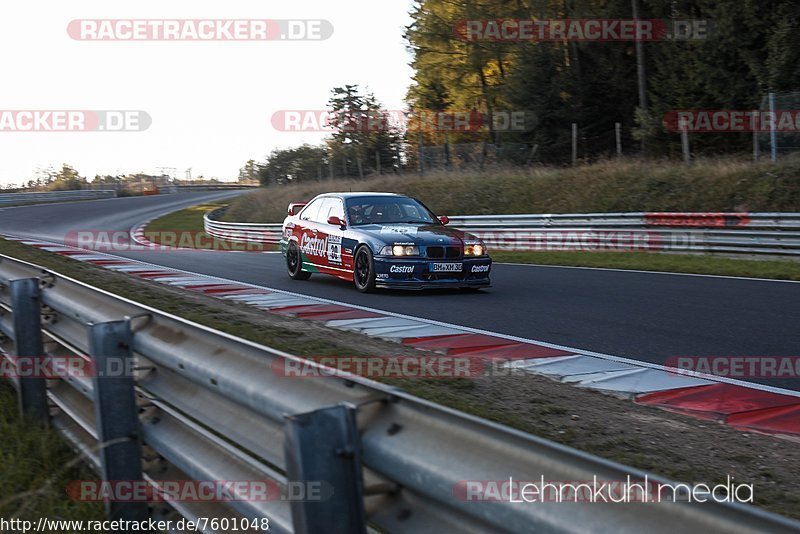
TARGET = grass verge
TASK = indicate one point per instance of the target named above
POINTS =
(184, 228)
(641, 437)
(35, 467)
(671, 263)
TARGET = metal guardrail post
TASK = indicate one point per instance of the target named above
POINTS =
(116, 413)
(26, 305)
(323, 447)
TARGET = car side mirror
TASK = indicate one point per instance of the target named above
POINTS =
(444, 219)
(336, 221)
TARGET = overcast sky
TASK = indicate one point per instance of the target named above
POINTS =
(210, 102)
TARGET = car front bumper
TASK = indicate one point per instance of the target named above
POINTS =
(419, 273)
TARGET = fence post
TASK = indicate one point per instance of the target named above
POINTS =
(618, 136)
(421, 164)
(773, 129)
(687, 156)
(756, 148)
(26, 307)
(574, 143)
(116, 413)
(323, 447)
(360, 167)
(330, 168)
(378, 162)
(531, 154)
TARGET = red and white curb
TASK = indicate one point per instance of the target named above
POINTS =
(137, 235)
(742, 405)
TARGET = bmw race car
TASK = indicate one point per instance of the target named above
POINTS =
(381, 240)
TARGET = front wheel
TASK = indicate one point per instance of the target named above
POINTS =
(364, 271)
(294, 263)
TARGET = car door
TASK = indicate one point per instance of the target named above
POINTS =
(305, 232)
(329, 238)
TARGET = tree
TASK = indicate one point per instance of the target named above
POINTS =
(67, 179)
(363, 129)
(250, 172)
(300, 164)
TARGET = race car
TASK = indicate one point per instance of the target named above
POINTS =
(381, 240)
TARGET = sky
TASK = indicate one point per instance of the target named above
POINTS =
(210, 102)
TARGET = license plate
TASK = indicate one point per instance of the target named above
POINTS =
(446, 267)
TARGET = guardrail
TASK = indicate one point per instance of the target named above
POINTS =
(762, 234)
(207, 406)
(265, 233)
(54, 196)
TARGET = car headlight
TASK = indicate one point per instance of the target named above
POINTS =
(400, 250)
(475, 250)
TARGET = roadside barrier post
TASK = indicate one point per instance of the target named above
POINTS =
(116, 413)
(687, 154)
(773, 132)
(574, 144)
(32, 391)
(323, 447)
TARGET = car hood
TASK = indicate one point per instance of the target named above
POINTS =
(419, 234)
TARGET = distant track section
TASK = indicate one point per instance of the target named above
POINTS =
(12, 199)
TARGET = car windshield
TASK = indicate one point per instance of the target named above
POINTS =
(387, 210)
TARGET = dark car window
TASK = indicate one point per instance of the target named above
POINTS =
(387, 210)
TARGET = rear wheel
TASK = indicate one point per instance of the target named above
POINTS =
(364, 270)
(294, 263)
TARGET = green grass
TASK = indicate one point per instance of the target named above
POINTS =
(190, 218)
(184, 228)
(621, 186)
(36, 466)
(673, 263)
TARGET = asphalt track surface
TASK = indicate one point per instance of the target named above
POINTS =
(644, 316)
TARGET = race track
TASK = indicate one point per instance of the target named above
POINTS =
(644, 316)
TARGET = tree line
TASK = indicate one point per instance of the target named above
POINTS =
(749, 48)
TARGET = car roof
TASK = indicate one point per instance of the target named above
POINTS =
(361, 194)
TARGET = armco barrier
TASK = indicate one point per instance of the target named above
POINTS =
(758, 234)
(206, 406)
(7, 199)
(242, 232)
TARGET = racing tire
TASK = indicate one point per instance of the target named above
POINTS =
(294, 263)
(364, 270)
